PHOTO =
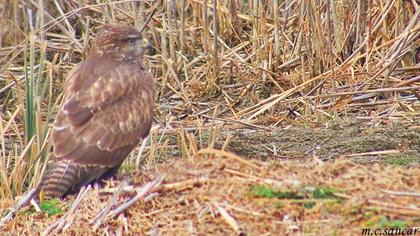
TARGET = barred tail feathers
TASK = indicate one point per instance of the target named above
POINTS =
(58, 180)
(65, 177)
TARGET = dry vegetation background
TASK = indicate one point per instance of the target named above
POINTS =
(220, 65)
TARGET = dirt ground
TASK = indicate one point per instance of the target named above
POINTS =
(366, 142)
(340, 140)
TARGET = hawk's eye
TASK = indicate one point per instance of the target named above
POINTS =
(131, 40)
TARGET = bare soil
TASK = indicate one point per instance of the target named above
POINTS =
(340, 140)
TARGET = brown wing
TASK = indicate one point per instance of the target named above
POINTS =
(106, 112)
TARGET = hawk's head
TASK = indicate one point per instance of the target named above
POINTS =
(121, 42)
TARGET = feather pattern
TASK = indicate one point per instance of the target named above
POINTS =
(107, 110)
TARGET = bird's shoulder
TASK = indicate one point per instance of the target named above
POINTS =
(97, 71)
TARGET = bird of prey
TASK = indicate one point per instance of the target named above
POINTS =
(107, 110)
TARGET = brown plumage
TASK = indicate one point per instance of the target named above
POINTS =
(107, 110)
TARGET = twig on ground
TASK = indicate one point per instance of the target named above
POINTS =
(102, 214)
(375, 153)
(141, 193)
(229, 220)
(229, 155)
(28, 197)
(401, 193)
(178, 186)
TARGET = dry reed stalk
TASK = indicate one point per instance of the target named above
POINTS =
(276, 18)
(205, 19)
(338, 20)
(255, 29)
(171, 9)
(215, 45)
(266, 47)
(332, 6)
(164, 46)
(360, 21)
(194, 34)
(182, 29)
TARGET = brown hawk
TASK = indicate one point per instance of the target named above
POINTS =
(107, 110)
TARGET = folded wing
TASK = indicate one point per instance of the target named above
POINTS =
(102, 122)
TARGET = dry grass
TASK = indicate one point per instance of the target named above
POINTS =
(228, 63)
(217, 194)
